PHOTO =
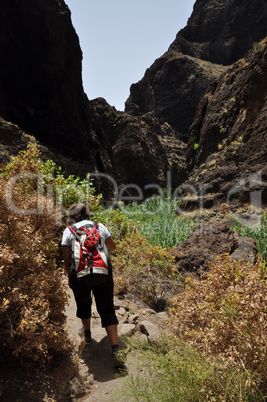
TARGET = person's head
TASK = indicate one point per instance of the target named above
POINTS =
(78, 212)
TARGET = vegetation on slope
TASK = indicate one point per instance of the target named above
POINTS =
(32, 297)
(218, 348)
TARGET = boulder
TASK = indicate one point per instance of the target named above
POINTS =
(210, 240)
(246, 250)
(126, 330)
(152, 331)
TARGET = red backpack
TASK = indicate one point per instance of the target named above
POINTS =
(90, 260)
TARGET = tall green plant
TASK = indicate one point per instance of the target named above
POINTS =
(159, 221)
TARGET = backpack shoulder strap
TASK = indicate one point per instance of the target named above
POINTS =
(73, 229)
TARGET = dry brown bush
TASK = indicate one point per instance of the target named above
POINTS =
(144, 269)
(225, 314)
(32, 297)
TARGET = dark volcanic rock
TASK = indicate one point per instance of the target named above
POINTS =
(41, 92)
(40, 79)
(171, 89)
(144, 149)
(227, 140)
(209, 240)
(218, 32)
(14, 140)
(222, 31)
(203, 245)
(246, 249)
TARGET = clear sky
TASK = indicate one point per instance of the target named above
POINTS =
(120, 39)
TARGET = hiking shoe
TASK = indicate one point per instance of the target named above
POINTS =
(118, 356)
(87, 335)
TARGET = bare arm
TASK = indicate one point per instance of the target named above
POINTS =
(110, 244)
(67, 258)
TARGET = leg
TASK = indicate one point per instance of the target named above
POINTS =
(82, 294)
(112, 334)
(86, 323)
(104, 303)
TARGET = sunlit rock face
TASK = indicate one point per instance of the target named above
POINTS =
(217, 34)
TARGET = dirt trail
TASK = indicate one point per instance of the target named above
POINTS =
(97, 379)
(96, 362)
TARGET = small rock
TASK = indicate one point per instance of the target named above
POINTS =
(133, 318)
(141, 337)
(126, 330)
(152, 331)
(163, 316)
(76, 389)
(119, 303)
(81, 332)
(246, 250)
(121, 311)
(123, 318)
(149, 311)
(91, 379)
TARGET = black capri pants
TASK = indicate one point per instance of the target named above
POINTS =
(103, 295)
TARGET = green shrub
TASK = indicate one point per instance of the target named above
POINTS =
(173, 371)
(117, 223)
(32, 175)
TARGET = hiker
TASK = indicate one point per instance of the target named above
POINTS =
(103, 292)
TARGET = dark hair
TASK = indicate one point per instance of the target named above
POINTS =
(77, 213)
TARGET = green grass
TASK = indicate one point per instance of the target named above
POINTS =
(169, 371)
(159, 221)
(258, 233)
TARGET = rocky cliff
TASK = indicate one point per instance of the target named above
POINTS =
(41, 92)
(144, 149)
(218, 33)
(222, 31)
(227, 140)
(171, 90)
(40, 80)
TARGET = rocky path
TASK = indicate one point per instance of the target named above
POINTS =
(99, 381)
(96, 379)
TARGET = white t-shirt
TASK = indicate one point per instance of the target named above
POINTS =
(68, 236)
